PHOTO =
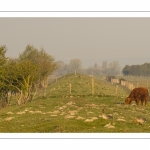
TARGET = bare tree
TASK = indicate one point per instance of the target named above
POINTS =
(75, 64)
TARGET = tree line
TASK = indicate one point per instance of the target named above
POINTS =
(22, 77)
(112, 68)
(137, 70)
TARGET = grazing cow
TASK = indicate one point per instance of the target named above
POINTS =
(139, 94)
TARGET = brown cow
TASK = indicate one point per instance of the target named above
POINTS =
(137, 95)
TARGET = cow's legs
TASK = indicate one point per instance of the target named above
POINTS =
(137, 101)
(142, 102)
(146, 101)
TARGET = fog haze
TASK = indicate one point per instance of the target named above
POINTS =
(93, 40)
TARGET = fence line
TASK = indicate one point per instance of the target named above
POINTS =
(122, 82)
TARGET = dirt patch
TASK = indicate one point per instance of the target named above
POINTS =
(41, 106)
(102, 105)
(121, 119)
(9, 113)
(26, 110)
(63, 113)
(70, 103)
(69, 117)
(61, 108)
(56, 112)
(92, 105)
(88, 120)
(109, 125)
(116, 114)
(73, 112)
(80, 118)
(21, 112)
(91, 119)
(79, 108)
(94, 118)
(90, 112)
(8, 118)
(38, 112)
(53, 115)
(31, 112)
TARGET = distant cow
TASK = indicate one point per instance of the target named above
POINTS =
(139, 94)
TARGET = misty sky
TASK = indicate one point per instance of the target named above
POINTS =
(93, 40)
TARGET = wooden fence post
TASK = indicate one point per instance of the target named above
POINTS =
(116, 90)
(92, 86)
(70, 88)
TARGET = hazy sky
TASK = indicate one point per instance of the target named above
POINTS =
(93, 40)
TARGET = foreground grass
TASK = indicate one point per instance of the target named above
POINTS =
(79, 112)
(74, 115)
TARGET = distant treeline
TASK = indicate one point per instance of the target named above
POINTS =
(137, 70)
(75, 65)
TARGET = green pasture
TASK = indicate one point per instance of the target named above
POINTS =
(76, 110)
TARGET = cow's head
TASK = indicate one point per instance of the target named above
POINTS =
(128, 100)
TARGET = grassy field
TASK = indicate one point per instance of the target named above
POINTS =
(76, 110)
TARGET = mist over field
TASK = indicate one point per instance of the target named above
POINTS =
(92, 40)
